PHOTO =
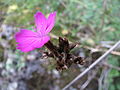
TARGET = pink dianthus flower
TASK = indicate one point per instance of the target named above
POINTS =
(29, 40)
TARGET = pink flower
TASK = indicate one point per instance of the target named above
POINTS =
(29, 40)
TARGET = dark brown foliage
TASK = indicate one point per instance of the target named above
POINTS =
(62, 54)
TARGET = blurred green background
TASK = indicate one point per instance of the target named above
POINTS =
(93, 23)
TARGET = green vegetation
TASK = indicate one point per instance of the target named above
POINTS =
(84, 21)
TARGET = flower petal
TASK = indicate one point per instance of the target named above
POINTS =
(24, 33)
(29, 40)
(50, 22)
(40, 22)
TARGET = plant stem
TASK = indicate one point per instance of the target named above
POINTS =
(53, 49)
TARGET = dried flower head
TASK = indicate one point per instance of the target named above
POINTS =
(62, 55)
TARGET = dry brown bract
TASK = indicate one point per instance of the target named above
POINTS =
(62, 54)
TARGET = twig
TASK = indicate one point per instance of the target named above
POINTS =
(102, 78)
(92, 65)
(101, 50)
(106, 84)
(90, 48)
(111, 66)
(86, 83)
(90, 78)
